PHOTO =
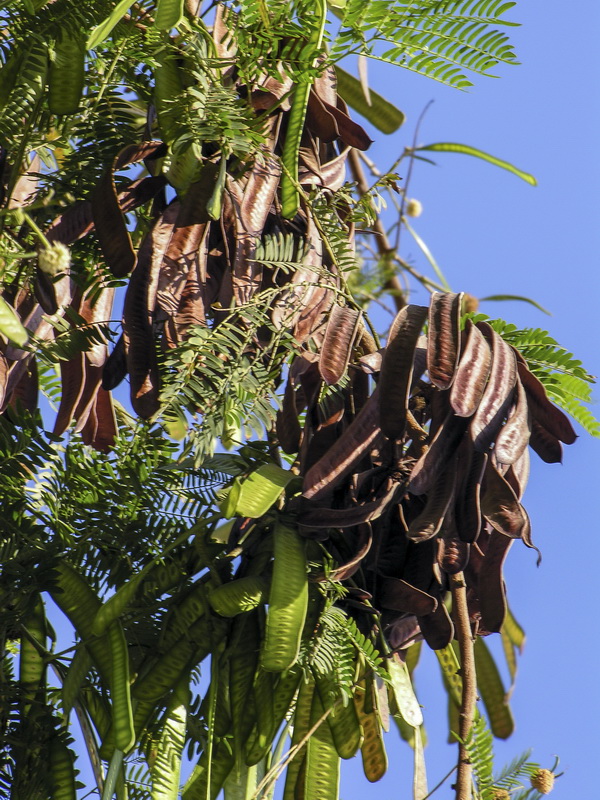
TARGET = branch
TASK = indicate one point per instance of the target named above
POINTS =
(383, 243)
(464, 635)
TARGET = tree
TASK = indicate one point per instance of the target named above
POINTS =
(162, 550)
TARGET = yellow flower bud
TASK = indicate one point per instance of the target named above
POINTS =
(54, 259)
(413, 208)
(543, 781)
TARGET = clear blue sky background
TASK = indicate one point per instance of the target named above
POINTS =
(493, 234)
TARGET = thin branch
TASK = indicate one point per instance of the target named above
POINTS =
(383, 244)
(460, 610)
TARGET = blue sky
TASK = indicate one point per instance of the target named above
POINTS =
(492, 233)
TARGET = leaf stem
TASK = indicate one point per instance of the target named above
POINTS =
(464, 635)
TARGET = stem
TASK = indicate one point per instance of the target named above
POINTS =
(383, 243)
(464, 635)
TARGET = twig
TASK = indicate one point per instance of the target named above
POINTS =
(464, 635)
(383, 244)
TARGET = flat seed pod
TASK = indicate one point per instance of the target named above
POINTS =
(467, 507)
(500, 506)
(288, 601)
(472, 373)
(439, 498)
(320, 122)
(351, 133)
(399, 595)
(374, 757)
(513, 438)
(490, 584)
(443, 338)
(363, 545)
(108, 218)
(358, 439)
(115, 368)
(336, 349)
(518, 474)
(140, 300)
(544, 412)
(288, 427)
(437, 628)
(72, 375)
(403, 692)
(437, 458)
(397, 369)
(545, 444)
(498, 393)
(349, 517)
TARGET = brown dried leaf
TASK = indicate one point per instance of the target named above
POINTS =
(342, 327)
(397, 369)
(472, 373)
(443, 338)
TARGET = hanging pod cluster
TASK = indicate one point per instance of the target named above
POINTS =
(422, 477)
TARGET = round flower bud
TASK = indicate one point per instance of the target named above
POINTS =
(54, 259)
(470, 304)
(543, 781)
(500, 794)
(413, 208)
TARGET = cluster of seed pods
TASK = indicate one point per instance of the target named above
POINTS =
(422, 477)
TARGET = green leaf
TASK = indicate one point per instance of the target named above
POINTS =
(380, 113)
(492, 692)
(103, 30)
(453, 147)
(519, 298)
(428, 254)
(261, 490)
(168, 14)
(10, 325)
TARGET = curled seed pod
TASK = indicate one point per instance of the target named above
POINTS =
(471, 374)
(498, 393)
